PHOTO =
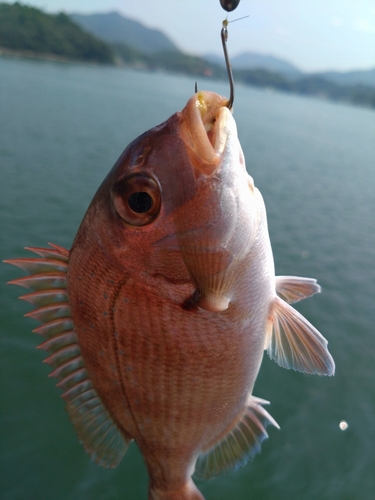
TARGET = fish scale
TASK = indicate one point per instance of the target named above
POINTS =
(167, 372)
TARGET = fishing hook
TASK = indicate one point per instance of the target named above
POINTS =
(224, 38)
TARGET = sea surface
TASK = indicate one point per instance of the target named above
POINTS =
(62, 127)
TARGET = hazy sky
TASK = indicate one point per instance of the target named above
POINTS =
(312, 34)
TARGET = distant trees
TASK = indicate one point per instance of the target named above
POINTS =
(24, 28)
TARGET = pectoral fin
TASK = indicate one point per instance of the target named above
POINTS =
(293, 288)
(293, 342)
(240, 444)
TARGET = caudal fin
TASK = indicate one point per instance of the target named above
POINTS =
(188, 492)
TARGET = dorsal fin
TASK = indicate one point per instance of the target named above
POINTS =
(46, 297)
(294, 288)
(240, 444)
(293, 342)
(58, 253)
(92, 422)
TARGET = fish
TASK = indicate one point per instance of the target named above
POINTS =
(157, 319)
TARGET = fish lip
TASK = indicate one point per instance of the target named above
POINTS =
(204, 126)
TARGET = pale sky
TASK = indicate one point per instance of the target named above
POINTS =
(315, 35)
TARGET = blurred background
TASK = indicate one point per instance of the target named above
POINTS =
(78, 82)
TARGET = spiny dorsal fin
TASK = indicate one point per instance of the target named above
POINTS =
(58, 253)
(293, 342)
(40, 265)
(240, 445)
(46, 297)
(294, 288)
(39, 282)
(93, 424)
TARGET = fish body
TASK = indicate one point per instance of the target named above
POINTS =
(158, 317)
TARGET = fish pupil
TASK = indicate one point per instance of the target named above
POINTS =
(140, 202)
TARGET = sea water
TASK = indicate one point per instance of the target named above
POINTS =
(62, 127)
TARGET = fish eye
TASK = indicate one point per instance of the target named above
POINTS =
(137, 199)
(140, 202)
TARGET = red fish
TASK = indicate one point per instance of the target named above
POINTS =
(157, 319)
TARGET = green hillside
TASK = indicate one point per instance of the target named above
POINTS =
(26, 29)
(115, 28)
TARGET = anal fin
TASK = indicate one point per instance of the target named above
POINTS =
(240, 445)
(293, 342)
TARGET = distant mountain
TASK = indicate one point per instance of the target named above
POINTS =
(252, 60)
(363, 77)
(114, 28)
(29, 31)
(215, 59)
(310, 85)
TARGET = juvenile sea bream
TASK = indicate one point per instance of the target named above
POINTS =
(156, 320)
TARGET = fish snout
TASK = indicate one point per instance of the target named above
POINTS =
(204, 127)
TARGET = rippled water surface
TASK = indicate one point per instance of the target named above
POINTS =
(61, 129)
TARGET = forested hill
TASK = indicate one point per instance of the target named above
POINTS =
(26, 30)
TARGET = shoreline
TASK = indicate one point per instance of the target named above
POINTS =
(117, 63)
(42, 56)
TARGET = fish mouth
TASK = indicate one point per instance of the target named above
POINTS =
(204, 126)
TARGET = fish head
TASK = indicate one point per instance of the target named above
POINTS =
(179, 204)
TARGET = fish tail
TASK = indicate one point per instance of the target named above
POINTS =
(188, 492)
